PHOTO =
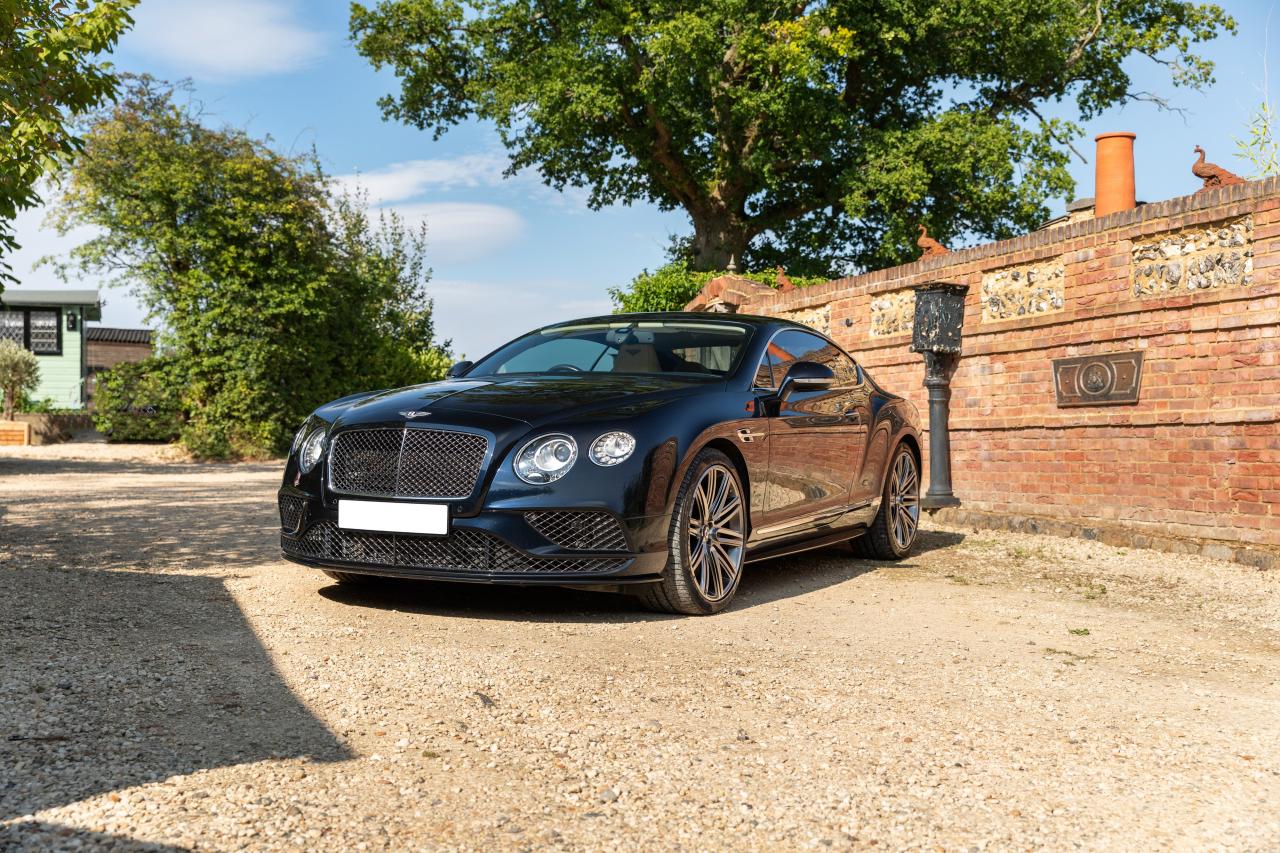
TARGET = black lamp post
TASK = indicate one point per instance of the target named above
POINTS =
(936, 335)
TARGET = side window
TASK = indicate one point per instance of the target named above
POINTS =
(846, 371)
(794, 345)
(764, 374)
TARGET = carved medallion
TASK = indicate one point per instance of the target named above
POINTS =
(1098, 380)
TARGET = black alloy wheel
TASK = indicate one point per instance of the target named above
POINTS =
(894, 529)
(708, 541)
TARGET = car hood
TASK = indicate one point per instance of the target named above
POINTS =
(528, 399)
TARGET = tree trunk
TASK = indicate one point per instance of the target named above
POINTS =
(719, 241)
(8, 404)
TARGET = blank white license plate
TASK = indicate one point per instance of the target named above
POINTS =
(388, 517)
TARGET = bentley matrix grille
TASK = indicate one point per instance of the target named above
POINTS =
(463, 550)
(579, 531)
(406, 463)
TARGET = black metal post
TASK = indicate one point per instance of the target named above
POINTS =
(936, 334)
(938, 367)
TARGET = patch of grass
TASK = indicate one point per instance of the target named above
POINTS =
(1070, 658)
(960, 579)
(1079, 632)
(1094, 590)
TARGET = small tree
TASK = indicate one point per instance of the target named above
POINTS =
(19, 373)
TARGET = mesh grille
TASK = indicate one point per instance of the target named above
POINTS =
(407, 463)
(464, 550)
(579, 531)
(291, 512)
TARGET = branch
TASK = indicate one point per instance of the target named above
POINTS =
(682, 185)
(1061, 140)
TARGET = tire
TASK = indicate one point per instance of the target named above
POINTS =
(353, 578)
(706, 561)
(894, 529)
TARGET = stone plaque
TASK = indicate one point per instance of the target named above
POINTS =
(1098, 380)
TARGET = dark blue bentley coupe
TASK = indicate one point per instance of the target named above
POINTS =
(654, 454)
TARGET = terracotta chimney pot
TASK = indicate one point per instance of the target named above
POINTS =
(1113, 178)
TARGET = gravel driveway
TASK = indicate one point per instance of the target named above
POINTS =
(167, 682)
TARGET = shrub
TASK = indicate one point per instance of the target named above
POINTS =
(140, 402)
(19, 373)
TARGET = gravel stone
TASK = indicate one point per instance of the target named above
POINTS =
(219, 698)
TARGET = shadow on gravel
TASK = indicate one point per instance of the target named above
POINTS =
(176, 526)
(763, 583)
(491, 601)
(36, 836)
(113, 679)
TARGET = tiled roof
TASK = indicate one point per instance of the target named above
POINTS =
(106, 334)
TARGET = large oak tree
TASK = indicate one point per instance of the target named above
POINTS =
(817, 134)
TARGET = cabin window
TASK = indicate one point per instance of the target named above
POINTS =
(36, 329)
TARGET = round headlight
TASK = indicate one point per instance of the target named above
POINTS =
(612, 448)
(546, 459)
(312, 450)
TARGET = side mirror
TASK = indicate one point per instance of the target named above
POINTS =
(806, 376)
(458, 369)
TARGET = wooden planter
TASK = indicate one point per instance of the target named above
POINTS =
(15, 433)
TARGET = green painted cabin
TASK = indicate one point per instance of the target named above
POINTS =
(51, 323)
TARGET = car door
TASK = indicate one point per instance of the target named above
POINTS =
(816, 438)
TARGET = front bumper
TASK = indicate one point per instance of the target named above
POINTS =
(507, 547)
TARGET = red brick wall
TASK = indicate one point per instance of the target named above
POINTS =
(102, 355)
(1198, 455)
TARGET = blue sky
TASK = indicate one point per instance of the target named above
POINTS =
(511, 255)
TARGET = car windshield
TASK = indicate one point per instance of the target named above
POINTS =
(691, 347)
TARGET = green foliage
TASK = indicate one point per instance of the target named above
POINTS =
(44, 406)
(19, 374)
(140, 402)
(47, 76)
(274, 296)
(1260, 147)
(816, 136)
(672, 286)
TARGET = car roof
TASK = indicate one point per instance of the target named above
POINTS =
(745, 319)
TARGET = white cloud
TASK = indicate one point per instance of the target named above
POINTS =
(410, 178)
(460, 231)
(225, 39)
(481, 316)
(400, 181)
